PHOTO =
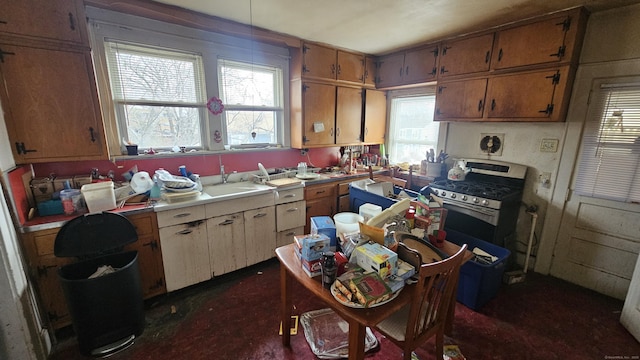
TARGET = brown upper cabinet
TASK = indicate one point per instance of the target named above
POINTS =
(370, 71)
(553, 40)
(57, 20)
(408, 67)
(375, 116)
(323, 62)
(465, 56)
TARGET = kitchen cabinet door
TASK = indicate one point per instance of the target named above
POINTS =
(45, 120)
(528, 96)
(227, 247)
(286, 237)
(375, 116)
(321, 201)
(465, 56)
(350, 67)
(149, 253)
(51, 19)
(319, 109)
(290, 215)
(260, 234)
(318, 61)
(390, 70)
(555, 39)
(348, 116)
(185, 254)
(370, 71)
(460, 100)
(420, 65)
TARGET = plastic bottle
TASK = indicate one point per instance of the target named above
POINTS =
(154, 194)
(410, 215)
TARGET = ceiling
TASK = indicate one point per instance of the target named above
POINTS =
(381, 26)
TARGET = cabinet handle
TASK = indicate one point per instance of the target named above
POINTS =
(401, 69)
(292, 209)
(177, 216)
(331, 132)
(560, 53)
(93, 135)
(493, 104)
(438, 112)
(434, 70)
(442, 70)
(500, 54)
(444, 50)
(333, 69)
(289, 196)
(152, 244)
(72, 22)
(320, 192)
(480, 105)
(21, 149)
(291, 233)
(3, 53)
(440, 88)
(3, 22)
(406, 72)
(184, 232)
(337, 131)
(44, 270)
(548, 110)
(339, 69)
(259, 215)
(226, 222)
(486, 57)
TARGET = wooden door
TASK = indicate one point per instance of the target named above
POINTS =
(390, 70)
(375, 116)
(185, 254)
(370, 71)
(461, 100)
(530, 95)
(319, 61)
(350, 67)
(36, 100)
(540, 42)
(52, 19)
(260, 234)
(348, 115)
(227, 246)
(319, 107)
(420, 65)
(465, 56)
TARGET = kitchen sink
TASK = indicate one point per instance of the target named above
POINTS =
(237, 189)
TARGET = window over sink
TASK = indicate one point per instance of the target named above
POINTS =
(170, 86)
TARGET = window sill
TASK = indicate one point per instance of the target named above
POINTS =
(171, 154)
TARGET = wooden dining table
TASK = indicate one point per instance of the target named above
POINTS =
(357, 318)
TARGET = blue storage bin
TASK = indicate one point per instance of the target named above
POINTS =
(358, 196)
(479, 283)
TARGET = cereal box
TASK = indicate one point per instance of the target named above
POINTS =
(324, 225)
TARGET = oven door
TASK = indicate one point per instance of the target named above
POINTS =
(474, 221)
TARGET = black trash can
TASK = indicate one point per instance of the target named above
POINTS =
(107, 311)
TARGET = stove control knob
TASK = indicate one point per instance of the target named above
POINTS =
(485, 202)
(475, 200)
(453, 196)
(464, 197)
(443, 194)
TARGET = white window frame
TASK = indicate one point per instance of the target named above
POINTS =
(106, 24)
(413, 92)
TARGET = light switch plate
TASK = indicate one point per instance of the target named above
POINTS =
(549, 145)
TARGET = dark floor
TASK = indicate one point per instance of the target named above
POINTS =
(236, 317)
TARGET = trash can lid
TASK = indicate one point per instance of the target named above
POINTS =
(94, 234)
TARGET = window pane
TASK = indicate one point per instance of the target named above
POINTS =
(413, 131)
(242, 125)
(163, 126)
(244, 84)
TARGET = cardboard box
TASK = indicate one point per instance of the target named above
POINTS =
(369, 289)
(42, 189)
(324, 225)
(79, 180)
(310, 246)
(58, 182)
(377, 258)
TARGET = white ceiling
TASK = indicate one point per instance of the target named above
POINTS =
(380, 26)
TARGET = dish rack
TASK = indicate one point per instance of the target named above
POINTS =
(282, 173)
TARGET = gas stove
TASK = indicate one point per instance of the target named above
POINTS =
(488, 184)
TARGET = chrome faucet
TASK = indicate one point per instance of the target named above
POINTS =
(223, 175)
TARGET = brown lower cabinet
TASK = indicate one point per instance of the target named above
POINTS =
(43, 264)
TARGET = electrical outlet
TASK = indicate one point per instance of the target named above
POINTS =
(545, 179)
(303, 152)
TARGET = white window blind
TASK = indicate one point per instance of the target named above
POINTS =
(157, 93)
(610, 156)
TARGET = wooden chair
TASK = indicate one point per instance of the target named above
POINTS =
(417, 322)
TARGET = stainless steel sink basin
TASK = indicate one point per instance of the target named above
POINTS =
(238, 189)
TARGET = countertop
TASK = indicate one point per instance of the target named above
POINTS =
(55, 221)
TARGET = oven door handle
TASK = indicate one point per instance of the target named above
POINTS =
(487, 215)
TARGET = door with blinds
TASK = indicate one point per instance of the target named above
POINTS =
(599, 232)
